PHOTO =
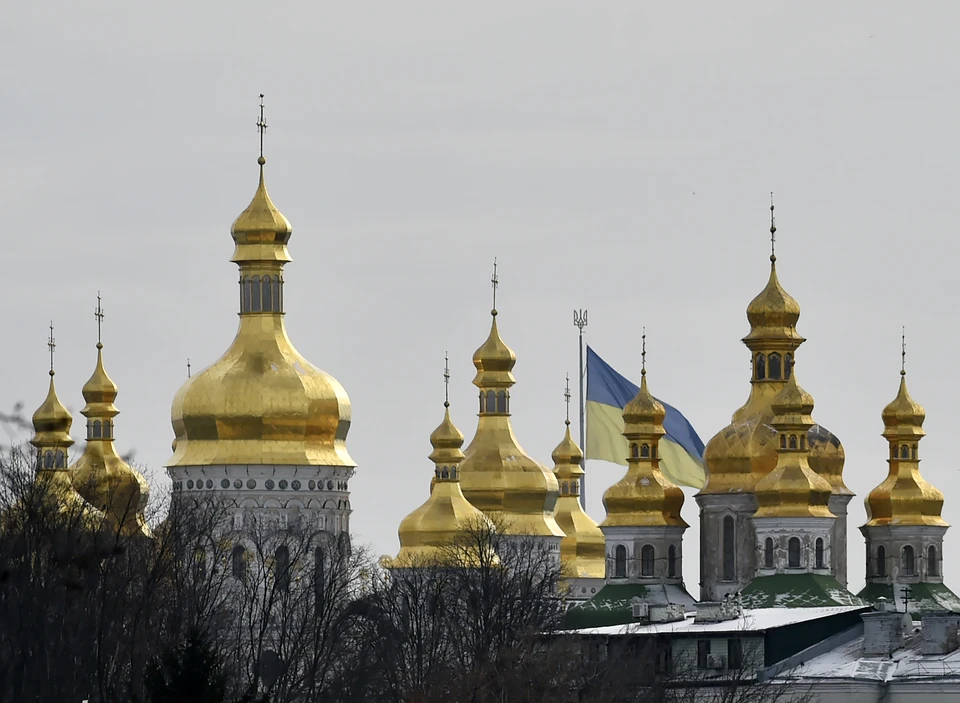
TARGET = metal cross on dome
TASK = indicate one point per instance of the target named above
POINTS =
(261, 125)
(51, 345)
(98, 313)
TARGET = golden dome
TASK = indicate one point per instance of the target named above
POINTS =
(793, 489)
(774, 313)
(644, 496)
(100, 475)
(52, 421)
(826, 458)
(497, 475)
(262, 402)
(582, 551)
(904, 497)
(428, 535)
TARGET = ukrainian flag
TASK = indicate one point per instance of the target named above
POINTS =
(681, 450)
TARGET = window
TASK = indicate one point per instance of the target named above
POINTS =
(703, 653)
(787, 366)
(444, 473)
(48, 459)
(491, 402)
(881, 561)
(565, 488)
(761, 365)
(620, 562)
(277, 295)
(933, 568)
(768, 553)
(646, 560)
(107, 429)
(267, 294)
(904, 452)
(97, 429)
(793, 553)
(913, 452)
(645, 451)
(634, 451)
(61, 461)
(819, 551)
(793, 441)
(729, 549)
(774, 367)
(735, 654)
(281, 568)
(653, 451)
(664, 657)
(245, 290)
(238, 562)
(255, 294)
(672, 562)
(907, 565)
(783, 441)
(501, 402)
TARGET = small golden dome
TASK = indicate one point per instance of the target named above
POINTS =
(100, 389)
(261, 232)
(494, 360)
(644, 496)
(429, 535)
(904, 497)
(582, 550)
(793, 489)
(773, 307)
(52, 421)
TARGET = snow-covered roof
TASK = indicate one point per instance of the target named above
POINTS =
(753, 620)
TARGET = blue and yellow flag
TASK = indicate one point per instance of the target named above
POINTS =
(681, 450)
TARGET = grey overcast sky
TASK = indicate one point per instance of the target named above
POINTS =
(615, 156)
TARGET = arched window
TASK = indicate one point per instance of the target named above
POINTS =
(277, 295)
(238, 562)
(255, 294)
(907, 562)
(491, 402)
(281, 568)
(783, 441)
(453, 472)
(819, 552)
(565, 488)
(933, 566)
(904, 452)
(913, 452)
(793, 441)
(803, 442)
(881, 561)
(645, 451)
(634, 451)
(768, 553)
(787, 366)
(646, 560)
(620, 562)
(267, 294)
(246, 290)
(501, 402)
(793, 553)
(729, 549)
(61, 459)
(761, 365)
(97, 429)
(653, 451)
(672, 562)
(444, 473)
(48, 459)
(107, 429)
(774, 370)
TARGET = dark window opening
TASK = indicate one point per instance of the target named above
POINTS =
(645, 451)
(787, 366)
(255, 294)
(819, 552)
(238, 559)
(672, 562)
(768, 553)
(933, 567)
(620, 562)
(501, 402)
(281, 568)
(793, 441)
(734, 654)
(904, 452)
(703, 653)
(793, 553)
(729, 549)
(267, 290)
(881, 561)
(774, 370)
(761, 364)
(646, 560)
(907, 564)
(491, 402)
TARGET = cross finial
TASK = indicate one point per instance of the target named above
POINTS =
(566, 397)
(773, 232)
(903, 351)
(495, 282)
(643, 353)
(51, 345)
(446, 380)
(98, 313)
(188, 367)
(261, 127)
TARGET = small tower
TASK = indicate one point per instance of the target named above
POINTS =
(904, 530)
(428, 535)
(582, 550)
(100, 475)
(498, 476)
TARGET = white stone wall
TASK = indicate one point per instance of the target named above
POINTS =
(713, 509)
(894, 538)
(783, 529)
(634, 539)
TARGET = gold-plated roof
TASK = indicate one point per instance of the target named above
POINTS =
(497, 475)
(793, 489)
(644, 496)
(428, 535)
(262, 402)
(904, 497)
(773, 316)
(100, 475)
(52, 421)
(582, 551)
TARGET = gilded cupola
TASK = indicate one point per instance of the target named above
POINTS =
(582, 549)
(644, 496)
(429, 535)
(745, 451)
(904, 497)
(497, 475)
(792, 489)
(262, 402)
(100, 475)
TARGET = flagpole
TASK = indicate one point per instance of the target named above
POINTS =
(580, 321)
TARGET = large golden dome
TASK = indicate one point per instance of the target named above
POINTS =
(262, 402)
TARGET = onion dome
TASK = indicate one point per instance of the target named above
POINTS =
(582, 552)
(497, 475)
(100, 475)
(773, 315)
(51, 424)
(429, 535)
(793, 489)
(904, 497)
(644, 496)
(262, 402)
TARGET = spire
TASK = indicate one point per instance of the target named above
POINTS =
(51, 423)
(904, 497)
(494, 360)
(644, 496)
(793, 489)
(773, 233)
